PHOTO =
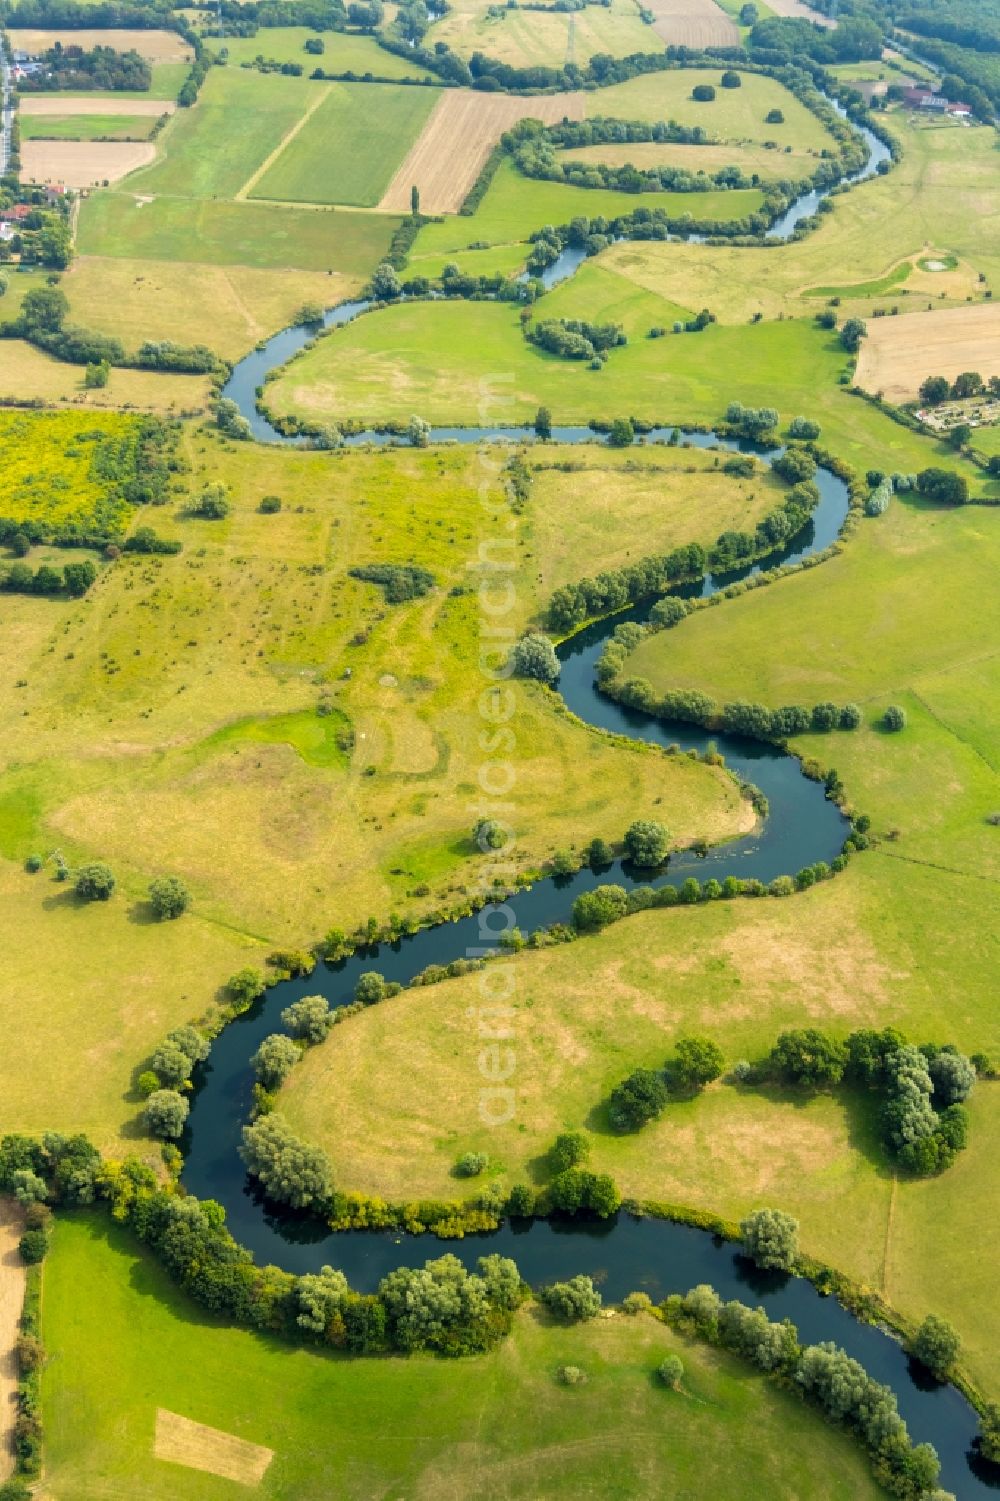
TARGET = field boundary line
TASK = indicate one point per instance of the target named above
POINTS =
(286, 140)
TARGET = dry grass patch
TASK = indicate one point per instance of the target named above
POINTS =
(227, 307)
(180, 1441)
(899, 353)
(750, 155)
(154, 46)
(28, 374)
(83, 164)
(693, 23)
(450, 151)
(615, 508)
(93, 104)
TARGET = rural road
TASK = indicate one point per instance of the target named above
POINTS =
(12, 1280)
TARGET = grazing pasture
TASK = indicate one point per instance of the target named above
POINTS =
(448, 156)
(154, 46)
(28, 374)
(84, 163)
(107, 128)
(229, 306)
(544, 38)
(211, 150)
(349, 145)
(264, 236)
(499, 1426)
(750, 156)
(899, 353)
(515, 206)
(123, 127)
(693, 23)
(344, 52)
(733, 115)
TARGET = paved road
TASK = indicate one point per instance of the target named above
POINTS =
(7, 113)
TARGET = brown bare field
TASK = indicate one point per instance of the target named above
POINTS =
(11, 1300)
(693, 23)
(83, 164)
(899, 353)
(154, 46)
(183, 1442)
(90, 104)
(450, 151)
(798, 10)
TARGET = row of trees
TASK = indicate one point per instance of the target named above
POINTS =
(73, 579)
(834, 1382)
(938, 388)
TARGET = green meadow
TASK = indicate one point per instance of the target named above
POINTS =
(123, 127)
(211, 150)
(514, 206)
(350, 146)
(123, 1346)
(734, 114)
(343, 52)
(262, 236)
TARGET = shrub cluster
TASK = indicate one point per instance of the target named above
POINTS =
(575, 339)
(398, 581)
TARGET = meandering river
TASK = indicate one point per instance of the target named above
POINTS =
(625, 1253)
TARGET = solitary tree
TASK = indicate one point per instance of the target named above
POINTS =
(289, 1169)
(770, 1238)
(385, 284)
(622, 434)
(419, 432)
(95, 883)
(647, 842)
(638, 1099)
(597, 908)
(671, 1372)
(275, 1059)
(573, 1301)
(414, 200)
(934, 390)
(370, 988)
(309, 1020)
(697, 1062)
(569, 1149)
(936, 1345)
(852, 332)
(171, 1064)
(543, 423)
(534, 656)
(165, 1113)
(169, 897)
(894, 718)
(488, 834)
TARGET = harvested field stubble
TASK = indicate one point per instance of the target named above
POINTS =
(83, 164)
(154, 46)
(92, 104)
(899, 353)
(693, 23)
(452, 148)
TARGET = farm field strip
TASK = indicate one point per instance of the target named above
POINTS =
(269, 161)
(154, 46)
(347, 148)
(693, 23)
(87, 128)
(83, 164)
(899, 353)
(798, 10)
(92, 104)
(453, 146)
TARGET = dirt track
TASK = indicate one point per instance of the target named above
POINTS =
(693, 23)
(462, 130)
(11, 1301)
(83, 164)
(899, 353)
